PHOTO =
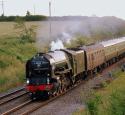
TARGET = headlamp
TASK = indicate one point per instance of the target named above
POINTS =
(48, 81)
(27, 81)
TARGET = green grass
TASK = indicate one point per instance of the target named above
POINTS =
(109, 101)
(13, 55)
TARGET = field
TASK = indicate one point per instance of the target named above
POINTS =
(109, 100)
(7, 29)
(58, 27)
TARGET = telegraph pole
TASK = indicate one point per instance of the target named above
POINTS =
(34, 8)
(50, 19)
(2, 5)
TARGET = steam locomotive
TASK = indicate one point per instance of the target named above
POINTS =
(54, 72)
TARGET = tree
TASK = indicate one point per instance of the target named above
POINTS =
(27, 34)
(28, 13)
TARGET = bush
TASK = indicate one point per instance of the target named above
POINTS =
(27, 34)
(92, 104)
(117, 103)
(26, 18)
(104, 84)
(35, 18)
(3, 64)
(3, 80)
(78, 41)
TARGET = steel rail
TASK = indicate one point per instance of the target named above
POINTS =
(12, 98)
(16, 108)
(11, 93)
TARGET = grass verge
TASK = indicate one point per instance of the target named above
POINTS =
(13, 55)
(109, 101)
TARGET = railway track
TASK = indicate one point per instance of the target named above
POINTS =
(51, 100)
(12, 96)
(30, 106)
(35, 105)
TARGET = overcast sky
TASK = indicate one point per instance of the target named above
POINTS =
(66, 7)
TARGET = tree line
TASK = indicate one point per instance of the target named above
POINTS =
(27, 17)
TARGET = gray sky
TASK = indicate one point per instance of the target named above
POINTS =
(67, 7)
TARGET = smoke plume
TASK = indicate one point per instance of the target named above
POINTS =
(102, 27)
(58, 44)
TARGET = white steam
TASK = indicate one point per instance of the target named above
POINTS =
(58, 44)
(84, 26)
(66, 37)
